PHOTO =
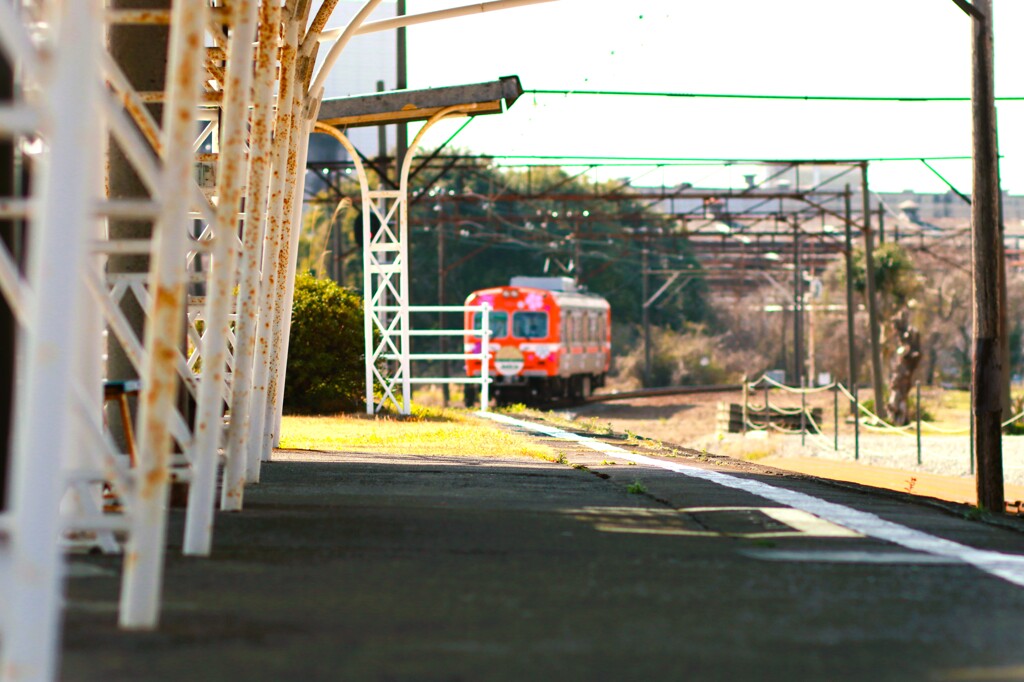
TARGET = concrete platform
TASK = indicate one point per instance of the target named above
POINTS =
(949, 488)
(361, 567)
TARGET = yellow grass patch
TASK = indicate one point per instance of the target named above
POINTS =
(428, 432)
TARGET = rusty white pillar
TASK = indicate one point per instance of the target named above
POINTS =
(144, 554)
(63, 203)
(231, 172)
(260, 156)
(271, 279)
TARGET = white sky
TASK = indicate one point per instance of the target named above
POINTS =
(793, 47)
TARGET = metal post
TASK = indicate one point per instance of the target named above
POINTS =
(918, 388)
(485, 361)
(143, 566)
(856, 423)
(230, 186)
(441, 316)
(401, 83)
(851, 349)
(291, 219)
(881, 223)
(743, 408)
(260, 153)
(835, 415)
(645, 312)
(767, 409)
(803, 418)
(291, 259)
(986, 403)
(43, 426)
(271, 248)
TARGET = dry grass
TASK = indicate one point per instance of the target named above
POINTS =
(429, 431)
(750, 449)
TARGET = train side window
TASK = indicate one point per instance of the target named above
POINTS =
(530, 325)
(497, 320)
(602, 328)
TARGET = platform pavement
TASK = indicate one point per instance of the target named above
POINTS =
(349, 566)
(957, 489)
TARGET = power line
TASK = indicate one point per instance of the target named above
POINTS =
(716, 95)
(639, 160)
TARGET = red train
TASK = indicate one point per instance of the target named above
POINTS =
(549, 341)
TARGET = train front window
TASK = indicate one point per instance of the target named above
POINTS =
(497, 320)
(529, 325)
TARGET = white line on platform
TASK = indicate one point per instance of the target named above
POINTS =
(1009, 567)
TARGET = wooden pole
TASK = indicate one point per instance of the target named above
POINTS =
(872, 300)
(986, 403)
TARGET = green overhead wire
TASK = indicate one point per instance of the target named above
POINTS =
(800, 98)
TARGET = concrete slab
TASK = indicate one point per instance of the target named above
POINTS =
(365, 567)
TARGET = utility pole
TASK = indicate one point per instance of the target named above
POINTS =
(851, 351)
(986, 403)
(869, 278)
(577, 252)
(645, 312)
(798, 341)
(881, 223)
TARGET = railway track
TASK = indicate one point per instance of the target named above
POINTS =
(655, 392)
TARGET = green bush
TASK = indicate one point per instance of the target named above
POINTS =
(325, 371)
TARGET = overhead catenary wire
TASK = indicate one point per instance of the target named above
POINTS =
(730, 95)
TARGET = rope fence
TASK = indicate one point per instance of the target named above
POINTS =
(863, 418)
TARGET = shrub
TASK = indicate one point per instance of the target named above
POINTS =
(325, 350)
(691, 357)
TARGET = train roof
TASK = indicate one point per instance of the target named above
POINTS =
(581, 299)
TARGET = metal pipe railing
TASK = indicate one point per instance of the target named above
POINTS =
(484, 356)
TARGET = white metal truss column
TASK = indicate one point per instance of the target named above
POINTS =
(259, 438)
(62, 211)
(386, 283)
(260, 153)
(231, 176)
(143, 566)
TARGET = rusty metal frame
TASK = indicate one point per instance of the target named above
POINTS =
(84, 96)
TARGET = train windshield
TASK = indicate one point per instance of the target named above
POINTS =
(497, 320)
(529, 325)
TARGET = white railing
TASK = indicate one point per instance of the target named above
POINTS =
(484, 355)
